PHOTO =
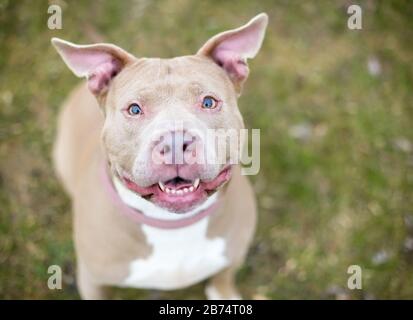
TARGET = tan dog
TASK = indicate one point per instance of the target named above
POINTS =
(142, 218)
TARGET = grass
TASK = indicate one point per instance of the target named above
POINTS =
(336, 181)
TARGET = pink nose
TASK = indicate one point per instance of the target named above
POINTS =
(175, 147)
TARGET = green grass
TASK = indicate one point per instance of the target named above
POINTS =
(341, 194)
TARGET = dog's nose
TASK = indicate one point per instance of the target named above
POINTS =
(175, 147)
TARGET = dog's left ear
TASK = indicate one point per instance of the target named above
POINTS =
(231, 49)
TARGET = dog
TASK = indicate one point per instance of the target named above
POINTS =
(142, 218)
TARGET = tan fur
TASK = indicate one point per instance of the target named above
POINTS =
(106, 241)
(92, 131)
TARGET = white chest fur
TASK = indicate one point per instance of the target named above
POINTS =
(180, 257)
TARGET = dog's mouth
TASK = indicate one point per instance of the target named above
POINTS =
(178, 194)
(179, 186)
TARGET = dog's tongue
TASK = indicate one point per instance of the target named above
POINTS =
(178, 183)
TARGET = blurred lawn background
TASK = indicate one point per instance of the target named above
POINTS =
(335, 111)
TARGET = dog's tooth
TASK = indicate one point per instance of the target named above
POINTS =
(173, 191)
(196, 183)
(186, 190)
(168, 190)
(161, 185)
(179, 192)
(191, 189)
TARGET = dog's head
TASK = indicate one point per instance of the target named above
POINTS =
(159, 112)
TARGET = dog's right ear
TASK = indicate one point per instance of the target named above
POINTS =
(99, 63)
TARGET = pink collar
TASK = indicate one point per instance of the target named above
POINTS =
(139, 217)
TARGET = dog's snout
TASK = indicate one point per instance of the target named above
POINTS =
(175, 147)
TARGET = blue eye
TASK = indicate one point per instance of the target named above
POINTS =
(134, 109)
(209, 103)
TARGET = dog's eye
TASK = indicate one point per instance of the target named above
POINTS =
(134, 109)
(209, 103)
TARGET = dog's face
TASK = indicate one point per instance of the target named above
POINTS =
(160, 113)
(157, 113)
